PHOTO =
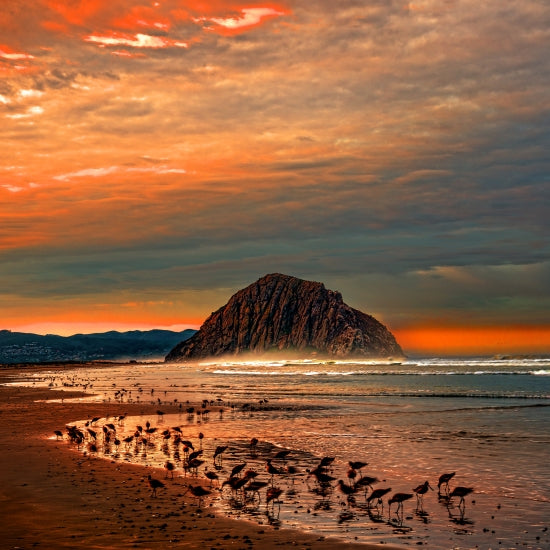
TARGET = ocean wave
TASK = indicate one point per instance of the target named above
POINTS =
(282, 372)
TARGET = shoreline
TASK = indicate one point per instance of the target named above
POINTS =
(52, 497)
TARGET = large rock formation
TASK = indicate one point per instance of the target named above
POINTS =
(279, 313)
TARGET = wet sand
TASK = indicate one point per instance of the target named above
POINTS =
(52, 497)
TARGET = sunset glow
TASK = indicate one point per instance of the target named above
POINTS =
(159, 156)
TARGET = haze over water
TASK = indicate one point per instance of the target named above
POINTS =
(486, 419)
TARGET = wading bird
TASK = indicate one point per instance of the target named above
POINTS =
(220, 449)
(155, 484)
(444, 480)
(169, 469)
(377, 495)
(420, 491)
(399, 498)
(198, 492)
(461, 492)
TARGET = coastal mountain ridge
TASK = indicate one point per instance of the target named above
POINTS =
(280, 313)
(23, 347)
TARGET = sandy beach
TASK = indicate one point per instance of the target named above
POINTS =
(53, 497)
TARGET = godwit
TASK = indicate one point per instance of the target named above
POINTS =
(272, 495)
(444, 480)
(237, 469)
(399, 498)
(461, 492)
(377, 495)
(420, 491)
(272, 470)
(212, 476)
(154, 484)
(198, 492)
(169, 469)
(357, 465)
(220, 449)
(346, 489)
(255, 486)
(282, 454)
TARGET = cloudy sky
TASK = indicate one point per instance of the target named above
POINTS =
(157, 156)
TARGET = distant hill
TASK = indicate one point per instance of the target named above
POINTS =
(284, 314)
(20, 347)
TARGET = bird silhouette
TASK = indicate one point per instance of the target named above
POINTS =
(212, 476)
(272, 495)
(377, 495)
(420, 491)
(461, 492)
(169, 469)
(220, 449)
(237, 469)
(347, 490)
(155, 484)
(281, 455)
(399, 498)
(444, 480)
(198, 492)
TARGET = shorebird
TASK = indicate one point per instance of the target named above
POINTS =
(326, 461)
(282, 454)
(420, 491)
(193, 465)
(255, 486)
(155, 484)
(272, 495)
(237, 469)
(212, 476)
(169, 469)
(357, 465)
(377, 495)
(272, 470)
(399, 498)
(366, 482)
(220, 449)
(444, 480)
(292, 471)
(198, 492)
(321, 477)
(346, 489)
(461, 492)
(195, 454)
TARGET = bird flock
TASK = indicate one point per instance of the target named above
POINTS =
(250, 474)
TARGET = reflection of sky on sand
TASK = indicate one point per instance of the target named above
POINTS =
(408, 427)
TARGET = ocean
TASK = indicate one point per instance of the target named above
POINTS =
(486, 419)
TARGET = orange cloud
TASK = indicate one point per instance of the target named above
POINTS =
(7, 53)
(247, 18)
(137, 41)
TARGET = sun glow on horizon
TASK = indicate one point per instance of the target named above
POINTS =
(441, 340)
(471, 340)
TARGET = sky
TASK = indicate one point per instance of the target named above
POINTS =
(158, 156)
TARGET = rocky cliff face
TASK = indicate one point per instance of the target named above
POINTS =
(279, 313)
